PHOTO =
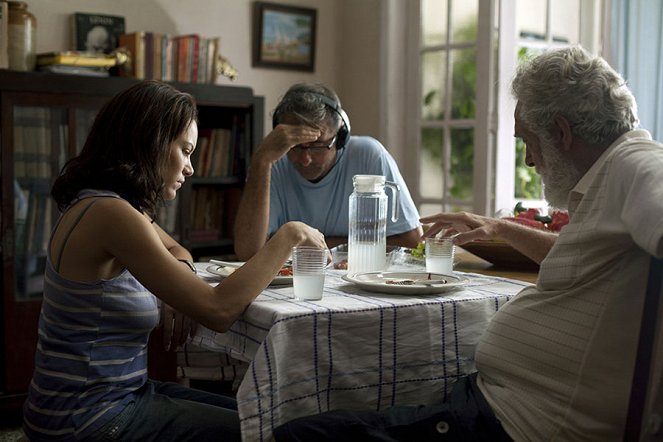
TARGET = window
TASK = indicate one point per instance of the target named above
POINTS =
(466, 156)
(539, 25)
(451, 114)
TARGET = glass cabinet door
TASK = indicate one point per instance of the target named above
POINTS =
(41, 148)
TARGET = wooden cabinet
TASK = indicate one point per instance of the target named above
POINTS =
(44, 120)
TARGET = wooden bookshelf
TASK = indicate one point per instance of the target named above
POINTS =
(44, 119)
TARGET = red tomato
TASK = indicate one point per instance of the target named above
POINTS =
(528, 214)
(559, 220)
(526, 222)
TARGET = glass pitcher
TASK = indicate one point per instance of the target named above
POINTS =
(367, 233)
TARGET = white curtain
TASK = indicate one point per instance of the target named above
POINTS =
(637, 53)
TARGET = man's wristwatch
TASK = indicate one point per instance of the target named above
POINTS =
(189, 263)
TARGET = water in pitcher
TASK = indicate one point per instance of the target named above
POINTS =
(367, 228)
(367, 257)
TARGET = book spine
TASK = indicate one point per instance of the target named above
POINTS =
(182, 54)
(4, 34)
(195, 58)
(156, 59)
(134, 43)
(149, 55)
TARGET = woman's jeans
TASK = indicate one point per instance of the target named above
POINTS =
(166, 411)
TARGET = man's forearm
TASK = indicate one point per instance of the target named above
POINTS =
(406, 239)
(251, 222)
(533, 243)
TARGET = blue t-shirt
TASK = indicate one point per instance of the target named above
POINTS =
(324, 205)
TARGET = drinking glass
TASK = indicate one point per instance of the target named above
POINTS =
(308, 272)
(440, 255)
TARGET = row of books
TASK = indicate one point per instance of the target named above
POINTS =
(34, 156)
(186, 58)
(34, 219)
(219, 152)
(207, 214)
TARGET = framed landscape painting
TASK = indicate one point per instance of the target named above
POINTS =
(284, 36)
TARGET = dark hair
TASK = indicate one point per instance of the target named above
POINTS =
(303, 101)
(128, 146)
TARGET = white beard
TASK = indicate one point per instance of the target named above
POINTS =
(558, 175)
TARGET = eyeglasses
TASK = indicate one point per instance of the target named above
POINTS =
(315, 147)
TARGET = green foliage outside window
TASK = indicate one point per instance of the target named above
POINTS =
(528, 182)
(463, 105)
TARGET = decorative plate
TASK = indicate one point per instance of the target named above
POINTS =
(404, 283)
(224, 271)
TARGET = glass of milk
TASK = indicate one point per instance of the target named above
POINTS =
(439, 255)
(308, 272)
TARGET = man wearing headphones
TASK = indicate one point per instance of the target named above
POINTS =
(303, 171)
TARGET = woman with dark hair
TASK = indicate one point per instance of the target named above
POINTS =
(108, 262)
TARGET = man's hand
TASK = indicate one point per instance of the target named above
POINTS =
(283, 138)
(533, 243)
(468, 226)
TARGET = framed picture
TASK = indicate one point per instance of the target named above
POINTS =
(284, 36)
(96, 32)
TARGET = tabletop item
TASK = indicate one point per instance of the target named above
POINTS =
(417, 283)
(500, 254)
(308, 272)
(367, 235)
(283, 278)
(22, 37)
(340, 256)
(439, 255)
(353, 348)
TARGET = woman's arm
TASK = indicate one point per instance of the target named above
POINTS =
(132, 240)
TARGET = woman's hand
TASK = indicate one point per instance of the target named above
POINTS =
(301, 234)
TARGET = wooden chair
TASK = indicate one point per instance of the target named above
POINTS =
(644, 421)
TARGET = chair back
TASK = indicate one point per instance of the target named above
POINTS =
(644, 421)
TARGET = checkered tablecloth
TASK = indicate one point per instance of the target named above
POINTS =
(353, 349)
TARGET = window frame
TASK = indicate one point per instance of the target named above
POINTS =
(401, 122)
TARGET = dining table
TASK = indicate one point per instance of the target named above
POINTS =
(358, 348)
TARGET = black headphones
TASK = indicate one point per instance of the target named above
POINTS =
(343, 135)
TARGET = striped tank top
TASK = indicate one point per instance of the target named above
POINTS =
(91, 351)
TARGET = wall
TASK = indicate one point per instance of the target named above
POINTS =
(341, 62)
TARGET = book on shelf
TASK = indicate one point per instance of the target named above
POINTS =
(206, 217)
(32, 143)
(231, 199)
(74, 70)
(134, 42)
(167, 216)
(4, 35)
(216, 152)
(96, 32)
(76, 58)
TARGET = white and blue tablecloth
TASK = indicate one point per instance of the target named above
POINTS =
(353, 349)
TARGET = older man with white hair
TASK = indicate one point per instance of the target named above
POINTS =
(556, 362)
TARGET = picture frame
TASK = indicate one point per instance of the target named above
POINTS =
(96, 33)
(284, 36)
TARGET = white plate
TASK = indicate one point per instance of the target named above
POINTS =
(224, 271)
(384, 282)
